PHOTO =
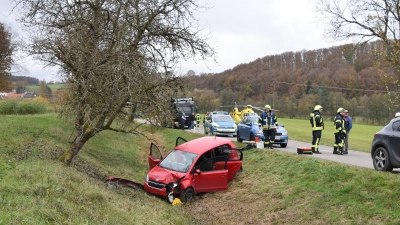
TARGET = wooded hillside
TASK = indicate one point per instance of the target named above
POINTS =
(349, 76)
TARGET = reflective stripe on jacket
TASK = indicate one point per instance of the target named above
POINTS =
(268, 122)
(339, 124)
(317, 123)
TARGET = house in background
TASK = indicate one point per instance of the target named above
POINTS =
(13, 95)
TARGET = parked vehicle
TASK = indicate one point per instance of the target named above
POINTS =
(220, 123)
(385, 147)
(249, 128)
(204, 164)
(179, 107)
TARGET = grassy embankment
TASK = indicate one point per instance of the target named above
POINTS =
(274, 188)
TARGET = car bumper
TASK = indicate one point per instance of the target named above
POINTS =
(224, 131)
(281, 139)
(160, 192)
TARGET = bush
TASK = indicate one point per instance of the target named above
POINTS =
(10, 107)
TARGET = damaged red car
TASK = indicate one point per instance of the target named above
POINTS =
(205, 164)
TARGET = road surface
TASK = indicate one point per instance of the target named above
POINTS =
(355, 158)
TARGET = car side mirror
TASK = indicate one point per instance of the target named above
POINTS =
(248, 124)
(198, 171)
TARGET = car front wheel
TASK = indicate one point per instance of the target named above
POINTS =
(238, 137)
(381, 160)
(187, 195)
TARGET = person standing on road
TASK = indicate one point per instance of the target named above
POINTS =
(269, 124)
(192, 119)
(317, 124)
(198, 117)
(183, 120)
(348, 124)
(339, 132)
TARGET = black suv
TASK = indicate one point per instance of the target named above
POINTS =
(385, 149)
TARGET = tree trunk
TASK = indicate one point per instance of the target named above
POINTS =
(68, 155)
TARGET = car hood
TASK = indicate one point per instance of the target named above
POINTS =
(163, 175)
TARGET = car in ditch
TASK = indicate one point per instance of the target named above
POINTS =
(385, 147)
(249, 128)
(220, 123)
(205, 164)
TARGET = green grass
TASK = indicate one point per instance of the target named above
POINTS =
(274, 188)
(35, 88)
(360, 137)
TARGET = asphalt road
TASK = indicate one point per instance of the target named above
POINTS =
(354, 158)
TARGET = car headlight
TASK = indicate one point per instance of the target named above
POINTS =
(215, 125)
(285, 133)
(147, 178)
(174, 184)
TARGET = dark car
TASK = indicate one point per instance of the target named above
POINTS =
(385, 148)
(249, 128)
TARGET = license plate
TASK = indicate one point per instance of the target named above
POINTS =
(277, 137)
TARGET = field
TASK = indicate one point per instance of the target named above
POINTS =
(35, 88)
(274, 188)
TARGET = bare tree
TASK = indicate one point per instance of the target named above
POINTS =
(365, 20)
(6, 60)
(112, 52)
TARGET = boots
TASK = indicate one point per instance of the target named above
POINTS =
(345, 152)
(271, 146)
(340, 152)
(335, 151)
(315, 151)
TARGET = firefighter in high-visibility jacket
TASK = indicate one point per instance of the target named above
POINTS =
(269, 124)
(198, 117)
(340, 132)
(317, 124)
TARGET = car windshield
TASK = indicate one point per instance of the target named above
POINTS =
(222, 119)
(254, 120)
(178, 160)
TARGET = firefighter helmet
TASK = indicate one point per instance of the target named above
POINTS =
(397, 114)
(318, 107)
(340, 110)
(267, 107)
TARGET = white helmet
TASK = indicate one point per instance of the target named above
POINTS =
(267, 107)
(397, 114)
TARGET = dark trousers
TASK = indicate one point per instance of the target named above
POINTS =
(269, 136)
(316, 137)
(339, 141)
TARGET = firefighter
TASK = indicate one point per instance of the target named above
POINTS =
(339, 132)
(204, 119)
(198, 117)
(317, 124)
(269, 124)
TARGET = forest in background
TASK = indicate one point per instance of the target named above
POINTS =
(349, 76)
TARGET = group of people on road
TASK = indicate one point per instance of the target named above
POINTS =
(342, 125)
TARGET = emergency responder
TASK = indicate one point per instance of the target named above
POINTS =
(204, 119)
(198, 117)
(317, 124)
(182, 121)
(339, 132)
(269, 124)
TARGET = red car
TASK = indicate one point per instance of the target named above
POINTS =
(202, 165)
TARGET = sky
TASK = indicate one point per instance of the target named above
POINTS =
(240, 30)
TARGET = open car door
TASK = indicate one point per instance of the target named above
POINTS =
(179, 141)
(154, 157)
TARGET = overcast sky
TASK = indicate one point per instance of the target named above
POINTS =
(241, 30)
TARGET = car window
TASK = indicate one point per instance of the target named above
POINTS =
(254, 120)
(178, 160)
(222, 119)
(396, 125)
(204, 163)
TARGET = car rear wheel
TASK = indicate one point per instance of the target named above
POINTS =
(283, 145)
(187, 195)
(238, 137)
(381, 160)
(251, 138)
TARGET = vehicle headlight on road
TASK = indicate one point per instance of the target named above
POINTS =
(285, 133)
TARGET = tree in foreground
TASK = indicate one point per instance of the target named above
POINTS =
(365, 20)
(6, 60)
(113, 52)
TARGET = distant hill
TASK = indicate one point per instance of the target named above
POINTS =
(28, 80)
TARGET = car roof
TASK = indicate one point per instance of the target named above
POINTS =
(203, 144)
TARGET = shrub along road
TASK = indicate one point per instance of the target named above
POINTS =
(354, 158)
